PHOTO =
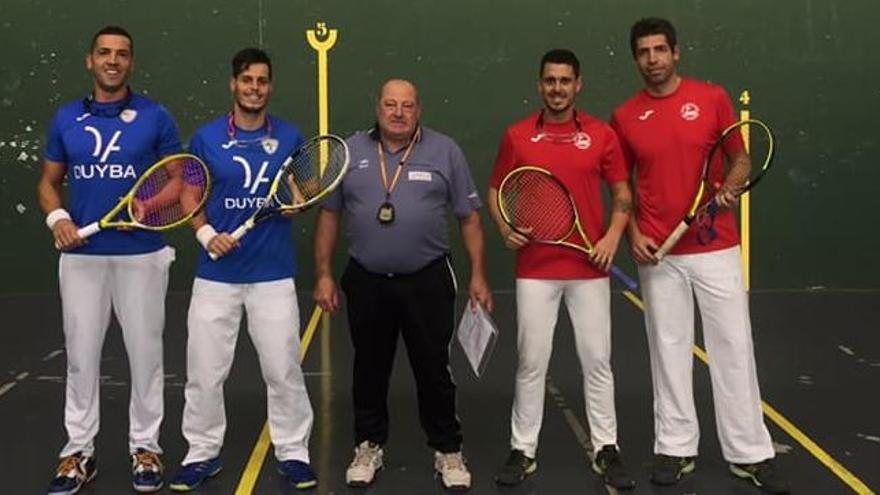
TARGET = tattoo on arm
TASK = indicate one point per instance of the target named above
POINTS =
(622, 205)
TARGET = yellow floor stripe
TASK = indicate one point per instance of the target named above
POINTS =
(258, 455)
(787, 426)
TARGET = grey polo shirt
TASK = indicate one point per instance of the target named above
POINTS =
(434, 180)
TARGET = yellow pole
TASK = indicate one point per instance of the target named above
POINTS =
(745, 204)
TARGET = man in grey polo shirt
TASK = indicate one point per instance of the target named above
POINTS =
(403, 181)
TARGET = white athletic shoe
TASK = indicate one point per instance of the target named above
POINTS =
(367, 460)
(452, 470)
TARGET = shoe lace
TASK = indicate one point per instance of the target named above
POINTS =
(454, 461)
(146, 461)
(70, 464)
(364, 454)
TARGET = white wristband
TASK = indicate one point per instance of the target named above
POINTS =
(204, 235)
(55, 215)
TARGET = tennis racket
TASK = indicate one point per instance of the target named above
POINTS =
(165, 196)
(531, 197)
(309, 174)
(714, 174)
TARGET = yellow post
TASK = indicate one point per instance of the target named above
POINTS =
(745, 204)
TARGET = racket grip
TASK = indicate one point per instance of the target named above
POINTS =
(623, 277)
(671, 241)
(89, 230)
(240, 231)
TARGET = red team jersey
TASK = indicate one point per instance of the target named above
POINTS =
(667, 139)
(588, 157)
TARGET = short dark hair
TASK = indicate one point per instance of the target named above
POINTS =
(247, 57)
(649, 26)
(116, 30)
(560, 56)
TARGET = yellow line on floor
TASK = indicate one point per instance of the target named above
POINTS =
(787, 426)
(258, 455)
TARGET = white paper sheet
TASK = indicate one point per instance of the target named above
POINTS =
(477, 334)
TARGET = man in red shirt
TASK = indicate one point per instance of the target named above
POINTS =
(582, 152)
(666, 130)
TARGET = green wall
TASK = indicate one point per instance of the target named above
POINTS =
(805, 63)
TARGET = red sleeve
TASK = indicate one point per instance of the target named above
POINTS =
(504, 162)
(626, 151)
(614, 167)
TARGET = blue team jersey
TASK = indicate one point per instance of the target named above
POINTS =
(106, 147)
(242, 167)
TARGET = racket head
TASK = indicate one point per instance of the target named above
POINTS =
(751, 136)
(169, 193)
(531, 197)
(166, 195)
(312, 172)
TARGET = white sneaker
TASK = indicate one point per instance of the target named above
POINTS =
(367, 460)
(452, 470)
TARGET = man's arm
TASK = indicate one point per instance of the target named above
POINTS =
(512, 239)
(49, 197)
(641, 246)
(474, 243)
(621, 209)
(740, 171)
(326, 234)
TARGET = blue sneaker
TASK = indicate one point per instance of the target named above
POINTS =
(146, 471)
(73, 472)
(299, 474)
(193, 474)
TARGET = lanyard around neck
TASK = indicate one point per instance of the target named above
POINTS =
(403, 159)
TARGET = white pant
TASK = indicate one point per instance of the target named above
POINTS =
(669, 288)
(273, 325)
(133, 286)
(537, 309)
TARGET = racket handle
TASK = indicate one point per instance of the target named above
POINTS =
(672, 240)
(240, 231)
(89, 230)
(623, 277)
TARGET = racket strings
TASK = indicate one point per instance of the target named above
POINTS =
(534, 200)
(312, 169)
(170, 193)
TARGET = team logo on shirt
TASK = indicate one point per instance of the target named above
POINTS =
(128, 115)
(102, 167)
(270, 145)
(690, 111)
(582, 140)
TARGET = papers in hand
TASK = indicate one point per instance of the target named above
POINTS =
(477, 334)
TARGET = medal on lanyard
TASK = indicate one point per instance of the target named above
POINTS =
(385, 214)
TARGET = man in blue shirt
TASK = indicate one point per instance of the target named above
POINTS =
(244, 151)
(101, 144)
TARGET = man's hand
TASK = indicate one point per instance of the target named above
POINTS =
(728, 196)
(480, 293)
(222, 244)
(326, 294)
(604, 251)
(65, 233)
(513, 239)
(642, 248)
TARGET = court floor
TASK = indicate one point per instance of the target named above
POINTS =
(818, 359)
